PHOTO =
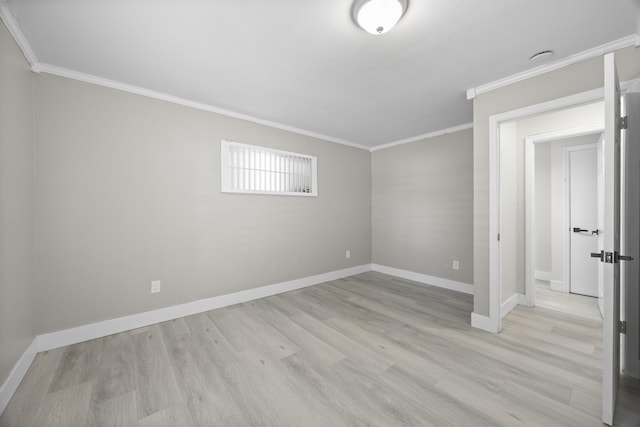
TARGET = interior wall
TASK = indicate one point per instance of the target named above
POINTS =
(511, 237)
(422, 206)
(17, 328)
(128, 191)
(542, 225)
(570, 80)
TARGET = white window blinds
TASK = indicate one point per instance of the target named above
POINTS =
(260, 170)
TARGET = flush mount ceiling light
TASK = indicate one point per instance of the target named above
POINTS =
(378, 16)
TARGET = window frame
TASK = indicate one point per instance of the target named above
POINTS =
(226, 170)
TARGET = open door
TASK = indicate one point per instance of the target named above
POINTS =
(609, 254)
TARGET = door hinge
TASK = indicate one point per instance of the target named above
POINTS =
(498, 237)
(622, 328)
(622, 122)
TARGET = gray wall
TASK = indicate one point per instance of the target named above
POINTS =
(511, 203)
(423, 206)
(567, 81)
(17, 328)
(128, 191)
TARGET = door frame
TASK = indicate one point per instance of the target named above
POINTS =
(530, 207)
(495, 290)
(494, 322)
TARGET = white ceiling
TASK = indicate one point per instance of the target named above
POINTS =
(305, 64)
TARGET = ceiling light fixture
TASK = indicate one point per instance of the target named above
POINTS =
(378, 16)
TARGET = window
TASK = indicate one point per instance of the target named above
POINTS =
(260, 170)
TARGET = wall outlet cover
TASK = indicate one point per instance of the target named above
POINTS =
(155, 286)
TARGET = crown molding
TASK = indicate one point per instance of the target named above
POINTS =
(112, 84)
(16, 32)
(424, 136)
(632, 40)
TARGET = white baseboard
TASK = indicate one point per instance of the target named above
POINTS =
(113, 326)
(542, 275)
(83, 333)
(17, 373)
(424, 278)
(511, 303)
(484, 322)
(556, 285)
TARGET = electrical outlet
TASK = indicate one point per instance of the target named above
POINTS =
(347, 254)
(155, 286)
(456, 265)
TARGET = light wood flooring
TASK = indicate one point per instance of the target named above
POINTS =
(366, 350)
(579, 305)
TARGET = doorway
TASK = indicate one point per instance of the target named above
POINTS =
(563, 215)
(514, 252)
(610, 256)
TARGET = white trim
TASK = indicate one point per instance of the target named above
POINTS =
(99, 81)
(495, 287)
(530, 221)
(16, 32)
(622, 43)
(425, 279)
(17, 374)
(113, 326)
(511, 303)
(483, 322)
(557, 286)
(424, 136)
(542, 275)
(508, 305)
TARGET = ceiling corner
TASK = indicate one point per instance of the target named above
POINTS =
(12, 25)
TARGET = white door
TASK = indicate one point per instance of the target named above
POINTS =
(611, 238)
(583, 214)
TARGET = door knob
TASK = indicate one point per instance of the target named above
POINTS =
(578, 230)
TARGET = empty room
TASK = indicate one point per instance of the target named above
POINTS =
(330, 213)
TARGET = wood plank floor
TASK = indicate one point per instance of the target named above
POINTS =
(369, 350)
(580, 305)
